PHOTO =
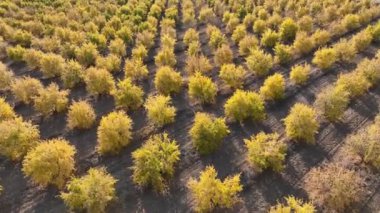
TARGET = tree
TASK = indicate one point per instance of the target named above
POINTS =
(243, 105)
(232, 75)
(154, 162)
(50, 162)
(259, 62)
(301, 123)
(207, 132)
(288, 30)
(98, 81)
(17, 137)
(114, 132)
(209, 192)
(81, 115)
(50, 100)
(273, 88)
(135, 69)
(266, 151)
(202, 89)
(333, 187)
(6, 111)
(293, 205)
(91, 192)
(324, 58)
(127, 95)
(167, 81)
(25, 89)
(223, 55)
(159, 110)
(300, 74)
(332, 102)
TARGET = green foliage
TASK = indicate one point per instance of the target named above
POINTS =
(266, 151)
(270, 38)
(243, 105)
(50, 162)
(159, 110)
(98, 81)
(259, 62)
(293, 205)
(135, 69)
(324, 58)
(72, 74)
(273, 88)
(6, 77)
(165, 57)
(25, 89)
(207, 133)
(210, 192)
(114, 133)
(196, 64)
(288, 30)
(167, 80)
(52, 65)
(223, 55)
(283, 53)
(50, 100)
(301, 123)
(87, 54)
(154, 162)
(16, 53)
(127, 95)
(17, 137)
(202, 89)
(81, 115)
(232, 75)
(333, 187)
(91, 192)
(300, 74)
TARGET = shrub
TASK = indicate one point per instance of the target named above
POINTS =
(375, 30)
(300, 73)
(25, 89)
(196, 64)
(369, 70)
(87, 54)
(135, 69)
(81, 115)
(210, 192)
(345, 51)
(191, 36)
(283, 53)
(247, 44)
(33, 58)
(232, 24)
(303, 44)
(111, 63)
(332, 102)
(273, 88)
(239, 33)
(154, 162)
(165, 57)
(98, 81)
(243, 105)
(17, 137)
(207, 133)
(305, 23)
(320, 37)
(259, 26)
(23, 38)
(355, 83)
(117, 47)
(288, 30)
(351, 21)
(159, 110)
(259, 62)
(269, 38)
(72, 74)
(293, 205)
(6, 111)
(202, 89)
(145, 38)
(193, 49)
(333, 187)
(324, 58)
(232, 75)
(91, 192)
(50, 162)
(114, 133)
(139, 52)
(167, 80)
(125, 33)
(50, 100)
(52, 65)
(16, 53)
(223, 55)
(206, 14)
(6, 77)
(266, 151)
(127, 95)
(301, 123)
(217, 38)
(167, 42)
(362, 40)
